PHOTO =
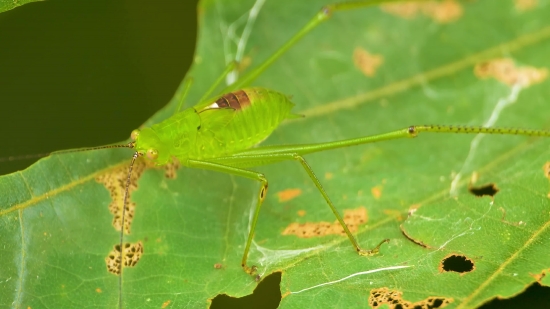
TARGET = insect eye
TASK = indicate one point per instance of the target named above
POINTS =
(152, 154)
(134, 135)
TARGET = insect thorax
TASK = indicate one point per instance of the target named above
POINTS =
(173, 137)
(235, 121)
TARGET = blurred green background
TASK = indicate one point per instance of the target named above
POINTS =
(86, 73)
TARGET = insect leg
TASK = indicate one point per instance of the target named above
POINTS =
(409, 132)
(319, 18)
(206, 96)
(317, 183)
(251, 270)
(272, 158)
(188, 81)
(184, 90)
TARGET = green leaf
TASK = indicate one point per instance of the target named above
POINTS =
(6, 5)
(57, 230)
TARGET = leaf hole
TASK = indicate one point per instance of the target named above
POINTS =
(456, 263)
(394, 299)
(485, 190)
(266, 295)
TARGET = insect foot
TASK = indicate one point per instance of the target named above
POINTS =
(252, 271)
(374, 251)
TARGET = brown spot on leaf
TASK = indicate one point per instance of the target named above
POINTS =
(540, 276)
(394, 299)
(525, 5)
(131, 254)
(546, 169)
(165, 304)
(115, 182)
(98, 290)
(407, 10)
(443, 11)
(376, 192)
(218, 266)
(353, 219)
(288, 194)
(505, 71)
(456, 263)
(440, 11)
(366, 62)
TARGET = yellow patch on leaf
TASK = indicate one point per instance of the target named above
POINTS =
(366, 62)
(505, 71)
(440, 11)
(353, 219)
(288, 194)
(376, 192)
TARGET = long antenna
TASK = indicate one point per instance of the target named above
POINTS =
(126, 195)
(43, 155)
(121, 264)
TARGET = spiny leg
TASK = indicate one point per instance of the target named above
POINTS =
(251, 270)
(319, 18)
(317, 183)
(409, 132)
(269, 158)
(273, 154)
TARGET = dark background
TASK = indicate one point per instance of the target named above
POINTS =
(86, 73)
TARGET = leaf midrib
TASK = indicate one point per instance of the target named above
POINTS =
(48, 194)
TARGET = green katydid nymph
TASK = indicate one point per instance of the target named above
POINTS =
(213, 136)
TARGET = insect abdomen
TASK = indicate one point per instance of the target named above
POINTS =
(238, 100)
(258, 111)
